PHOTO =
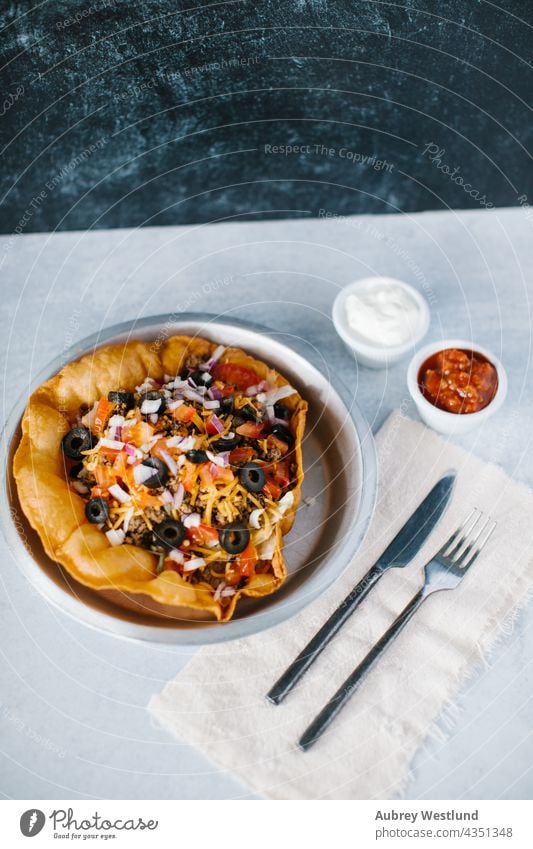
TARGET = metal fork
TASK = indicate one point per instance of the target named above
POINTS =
(443, 572)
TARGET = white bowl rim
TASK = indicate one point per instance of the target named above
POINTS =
(461, 344)
(367, 348)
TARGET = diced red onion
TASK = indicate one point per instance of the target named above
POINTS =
(225, 457)
(270, 412)
(120, 494)
(194, 563)
(217, 424)
(127, 518)
(216, 459)
(153, 418)
(227, 591)
(254, 517)
(130, 449)
(116, 421)
(150, 405)
(215, 393)
(110, 443)
(179, 495)
(213, 470)
(192, 520)
(167, 497)
(115, 537)
(218, 591)
(80, 487)
(216, 355)
(173, 405)
(171, 463)
(212, 405)
(277, 394)
(193, 395)
(141, 473)
(177, 556)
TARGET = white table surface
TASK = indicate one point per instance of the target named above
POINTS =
(73, 701)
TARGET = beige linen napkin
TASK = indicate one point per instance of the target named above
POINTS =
(218, 701)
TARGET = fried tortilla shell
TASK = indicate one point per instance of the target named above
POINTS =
(126, 574)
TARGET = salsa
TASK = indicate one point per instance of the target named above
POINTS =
(458, 381)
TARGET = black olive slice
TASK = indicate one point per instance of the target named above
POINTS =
(96, 511)
(201, 378)
(282, 412)
(226, 443)
(227, 404)
(75, 441)
(249, 413)
(122, 399)
(283, 433)
(234, 538)
(169, 533)
(252, 477)
(160, 476)
(196, 456)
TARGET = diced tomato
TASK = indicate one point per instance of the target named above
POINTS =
(282, 473)
(243, 566)
(239, 376)
(242, 454)
(190, 470)
(172, 566)
(225, 475)
(103, 411)
(138, 434)
(274, 442)
(184, 413)
(247, 560)
(208, 473)
(272, 489)
(120, 466)
(104, 476)
(202, 534)
(251, 429)
(110, 453)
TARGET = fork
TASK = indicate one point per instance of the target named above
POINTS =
(443, 572)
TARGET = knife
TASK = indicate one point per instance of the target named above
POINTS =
(405, 545)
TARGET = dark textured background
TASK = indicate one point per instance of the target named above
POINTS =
(114, 114)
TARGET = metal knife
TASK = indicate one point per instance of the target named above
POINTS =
(407, 542)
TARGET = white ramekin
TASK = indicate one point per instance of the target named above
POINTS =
(377, 356)
(441, 420)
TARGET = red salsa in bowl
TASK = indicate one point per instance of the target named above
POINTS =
(458, 380)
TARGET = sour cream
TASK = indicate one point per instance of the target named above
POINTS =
(380, 319)
(383, 313)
